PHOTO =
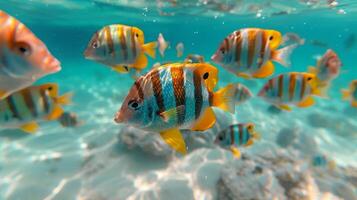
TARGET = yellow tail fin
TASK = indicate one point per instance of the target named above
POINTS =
(150, 49)
(64, 99)
(224, 98)
(345, 94)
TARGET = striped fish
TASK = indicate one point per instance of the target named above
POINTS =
(175, 96)
(351, 93)
(248, 52)
(242, 93)
(120, 46)
(23, 109)
(327, 69)
(291, 88)
(23, 57)
(237, 135)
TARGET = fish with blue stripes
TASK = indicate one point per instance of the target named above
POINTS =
(242, 93)
(25, 108)
(23, 57)
(176, 96)
(351, 93)
(120, 47)
(237, 135)
(294, 88)
(249, 52)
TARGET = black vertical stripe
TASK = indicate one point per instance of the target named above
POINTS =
(178, 81)
(241, 134)
(231, 131)
(45, 99)
(198, 93)
(133, 43)
(139, 88)
(157, 88)
(12, 106)
(30, 104)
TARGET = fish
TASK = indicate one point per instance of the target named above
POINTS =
(294, 88)
(327, 69)
(321, 160)
(25, 108)
(69, 119)
(162, 44)
(120, 46)
(351, 93)
(249, 52)
(194, 58)
(179, 49)
(237, 135)
(24, 58)
(242, 93)
(293, 38)
(173, 97)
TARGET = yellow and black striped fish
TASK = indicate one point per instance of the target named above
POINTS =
(248, 52)
(23, 109)
(237, 135)
(176, 96)
(120, 46)
(294, 88)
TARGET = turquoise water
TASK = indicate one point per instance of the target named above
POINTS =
(100, 159)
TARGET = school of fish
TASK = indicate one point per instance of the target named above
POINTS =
(170, 97)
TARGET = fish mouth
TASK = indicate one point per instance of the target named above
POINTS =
(119, 118)
(52, 65)
(214, 57)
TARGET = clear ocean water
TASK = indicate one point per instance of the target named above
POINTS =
(103, 160)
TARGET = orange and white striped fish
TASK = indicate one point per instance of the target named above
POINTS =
(24, 108)
(23, 57)
(120, 47)
(173, 97)
(294, 88)
(248, 52)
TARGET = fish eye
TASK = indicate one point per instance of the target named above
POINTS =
(137, 35)
(49, 88)
(133, 104)
(126, 68)
(222, 50)
(250, 127)
(95, 44)
(271, 38)
(205, 76)
(23, 48)
(220, 138)
(309, 78)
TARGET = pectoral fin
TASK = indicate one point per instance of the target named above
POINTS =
(244, 75)
(265, 71)
(206, 121)
(174, 139)
(284, 107)
(235, 151)
(309, 101)
(141, 62)
(121, 69)
(167, 115)
(56, 113)
(30, 127)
